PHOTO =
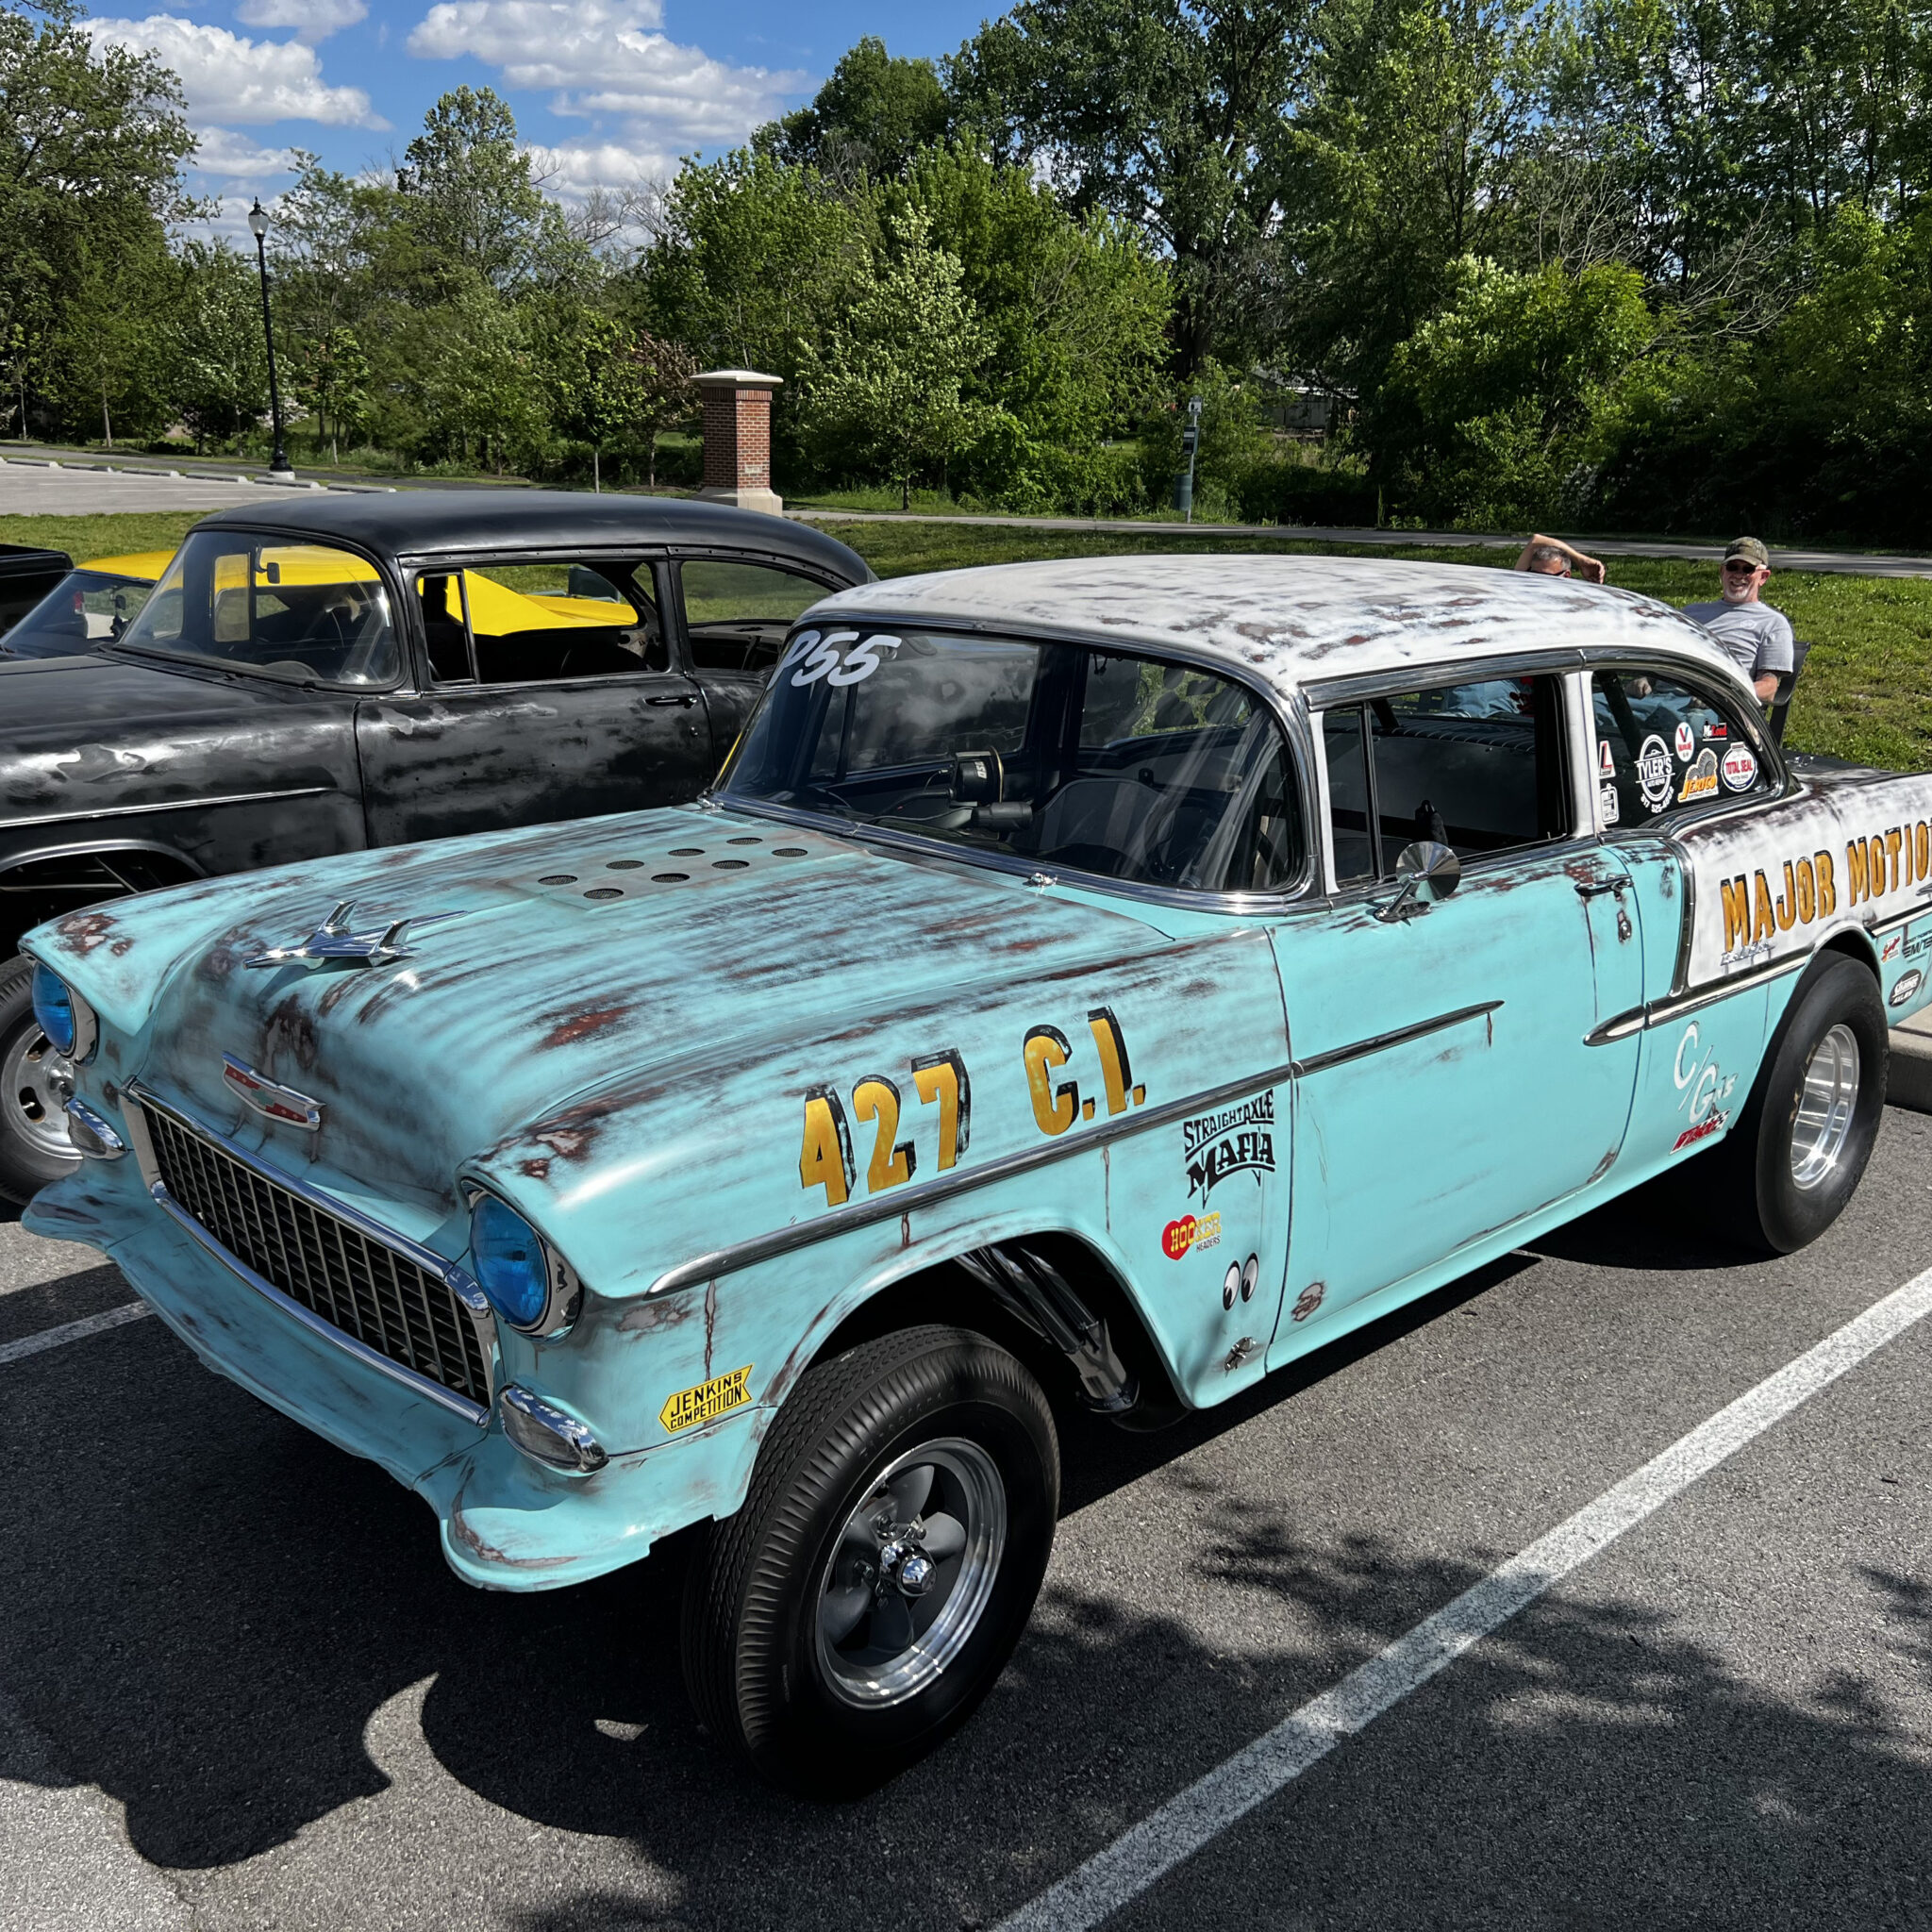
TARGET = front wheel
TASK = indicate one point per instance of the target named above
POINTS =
(869, 1592)
(34, 1147)
(1800, 1148)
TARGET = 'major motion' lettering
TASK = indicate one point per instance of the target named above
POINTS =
(1759, 906)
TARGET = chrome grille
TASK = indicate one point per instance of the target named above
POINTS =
(328, 1265)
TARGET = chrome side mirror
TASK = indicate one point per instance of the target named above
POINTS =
(1428, 872)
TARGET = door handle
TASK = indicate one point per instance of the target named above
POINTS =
(682, 697)
(1595, 889)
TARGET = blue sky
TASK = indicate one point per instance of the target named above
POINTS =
(607, 91)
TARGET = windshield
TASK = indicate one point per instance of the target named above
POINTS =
(86, 608)
(242, 602)
(1054, 754)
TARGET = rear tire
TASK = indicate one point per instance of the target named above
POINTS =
(1795, 1158)
(815, 1644)
(34, 1147)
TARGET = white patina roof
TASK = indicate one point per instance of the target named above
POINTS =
(1293, 620)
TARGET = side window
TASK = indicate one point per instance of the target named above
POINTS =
(1663, 747)
(539, 622)
(1477, 767)
(736, 614)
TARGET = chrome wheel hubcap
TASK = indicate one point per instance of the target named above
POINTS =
(35, 1082)
(911, 1573)
(1825, 1105)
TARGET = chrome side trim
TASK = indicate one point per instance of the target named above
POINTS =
(1378, 1043)
(456, 1279)
(326, 1331)
(1661, 1012)
(919, 1195)
(128, 811)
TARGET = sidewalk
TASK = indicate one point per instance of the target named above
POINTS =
(1841, 562)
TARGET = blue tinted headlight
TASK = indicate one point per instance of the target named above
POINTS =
(54, 1009)
(512, 1267)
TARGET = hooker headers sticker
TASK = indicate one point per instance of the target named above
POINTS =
(1236, 1139)
(708, 1401)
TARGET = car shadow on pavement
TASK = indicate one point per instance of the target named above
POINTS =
(211, 1612)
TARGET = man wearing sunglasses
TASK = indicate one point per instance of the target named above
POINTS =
(1755, 636)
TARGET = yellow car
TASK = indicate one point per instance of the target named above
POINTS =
(93, 603)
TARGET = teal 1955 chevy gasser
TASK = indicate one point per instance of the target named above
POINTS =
(1105, 981)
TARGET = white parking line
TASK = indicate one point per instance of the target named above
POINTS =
(70, 1331)
(1116, 1876)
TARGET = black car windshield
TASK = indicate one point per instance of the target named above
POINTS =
(239, 601)
(1061, 756)
(85, 608)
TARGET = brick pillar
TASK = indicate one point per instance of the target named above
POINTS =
(738, 438)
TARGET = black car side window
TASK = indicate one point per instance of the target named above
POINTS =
(735, 615)
(1664, 747)
(1475, 766)
(536, 624)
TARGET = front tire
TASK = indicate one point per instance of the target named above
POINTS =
(1802, 1143)
(34, 1147)
(870, 1592)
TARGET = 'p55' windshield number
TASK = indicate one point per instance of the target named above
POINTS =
(823, 653)
(824, 1156)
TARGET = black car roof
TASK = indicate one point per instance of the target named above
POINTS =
(428, 522)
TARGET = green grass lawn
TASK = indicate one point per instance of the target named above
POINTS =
(1866, 693)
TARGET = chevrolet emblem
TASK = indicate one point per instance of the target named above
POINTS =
(266, 1097)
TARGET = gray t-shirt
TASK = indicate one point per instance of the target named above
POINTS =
(1756, 638)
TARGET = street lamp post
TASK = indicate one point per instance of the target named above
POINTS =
(278, 463)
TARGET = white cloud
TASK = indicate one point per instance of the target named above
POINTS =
(604, 56)
(570, 173)
(314, 20)
(229, 78)
(239, 157)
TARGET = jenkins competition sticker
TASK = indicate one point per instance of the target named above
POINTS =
(708, 1401)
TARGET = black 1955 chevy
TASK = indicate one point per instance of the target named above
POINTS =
(355, 670)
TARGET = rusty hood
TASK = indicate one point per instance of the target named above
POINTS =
(642, 994)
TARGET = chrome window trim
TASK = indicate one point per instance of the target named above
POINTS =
(918, 1195)
(137, 1097)
(1289, 714)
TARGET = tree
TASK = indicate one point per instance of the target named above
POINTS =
(220, 363)
(92, 144)
(480, 383)
(867, 121)
(888, 385)
(332, 378)
(1501, 411)
(662, 390)
(469, 204)
(1172, 116)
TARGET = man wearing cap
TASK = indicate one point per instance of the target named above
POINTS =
(1756, 638)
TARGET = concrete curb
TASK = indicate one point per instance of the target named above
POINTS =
(1910, 1084)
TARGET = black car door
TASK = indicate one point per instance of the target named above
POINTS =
(548, 690)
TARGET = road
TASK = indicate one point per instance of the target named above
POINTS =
(28, 489)
(238, 1687)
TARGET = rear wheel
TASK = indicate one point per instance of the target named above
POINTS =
(868, 1594)
(34, 1147)
(1800, 1148)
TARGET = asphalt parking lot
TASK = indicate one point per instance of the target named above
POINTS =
(238, 1687)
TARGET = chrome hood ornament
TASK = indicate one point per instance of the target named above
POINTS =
(336, 940)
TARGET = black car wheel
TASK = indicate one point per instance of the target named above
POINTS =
(1799, 1147)
(34, 1147)
(869, 1592)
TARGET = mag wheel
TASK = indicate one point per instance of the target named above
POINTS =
(1799, 1147)
(34, 1147)
(886, 1560)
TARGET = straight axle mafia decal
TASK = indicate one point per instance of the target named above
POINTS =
(1757, 906)
(1236, 1140)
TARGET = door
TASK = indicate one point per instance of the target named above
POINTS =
(551, 696)
(1443, 1085)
